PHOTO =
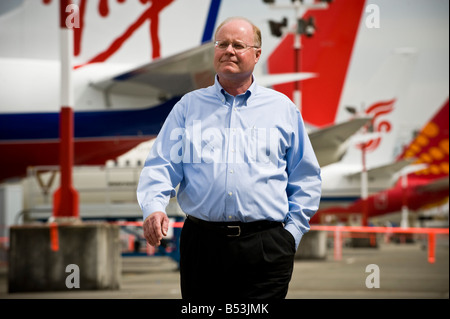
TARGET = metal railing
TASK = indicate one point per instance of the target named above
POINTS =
(368, 231)
(364, 231)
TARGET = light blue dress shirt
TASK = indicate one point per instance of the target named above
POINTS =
(243, 158)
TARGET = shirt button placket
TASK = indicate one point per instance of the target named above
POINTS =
(230, 207)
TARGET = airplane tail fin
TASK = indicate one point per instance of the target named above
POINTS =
(382, 99)
(431, 146)
(327, 53)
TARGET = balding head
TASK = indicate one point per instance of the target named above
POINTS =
(256, 31)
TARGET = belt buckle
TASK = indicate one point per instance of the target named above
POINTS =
(239, 231)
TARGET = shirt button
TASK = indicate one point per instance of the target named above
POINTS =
(231, 171)
(230, 193)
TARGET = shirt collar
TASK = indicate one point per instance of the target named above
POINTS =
(221, 93)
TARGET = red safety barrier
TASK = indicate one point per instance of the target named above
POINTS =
(150, 249)
(338, 230)
(339, 233)
(139, 224)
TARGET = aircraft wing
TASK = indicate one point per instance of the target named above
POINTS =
(166, 77)
(179, 74)
(330, 143)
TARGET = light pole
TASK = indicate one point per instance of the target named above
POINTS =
(303, 27)
(404, 223)
(362, 141)
(364, 186)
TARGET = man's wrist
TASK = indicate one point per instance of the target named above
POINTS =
(151, 208)
(296, 233)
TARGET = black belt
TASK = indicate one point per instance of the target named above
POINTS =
(235, 229)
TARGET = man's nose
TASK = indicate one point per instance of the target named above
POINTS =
(230, 48)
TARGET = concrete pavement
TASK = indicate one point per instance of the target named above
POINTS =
(403, 273)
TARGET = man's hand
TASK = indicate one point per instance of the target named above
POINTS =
(155, 227)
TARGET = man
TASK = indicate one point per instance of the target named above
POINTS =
(248, 178)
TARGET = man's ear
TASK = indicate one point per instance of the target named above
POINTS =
(257, 55)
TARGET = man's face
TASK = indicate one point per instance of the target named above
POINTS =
(229, 62)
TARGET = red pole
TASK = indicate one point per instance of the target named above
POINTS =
(297, 98)
(431, 247)
(337, 244)
(65, 199)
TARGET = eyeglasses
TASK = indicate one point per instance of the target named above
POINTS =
(237, 46)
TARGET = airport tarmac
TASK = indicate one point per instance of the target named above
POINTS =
(403, 269)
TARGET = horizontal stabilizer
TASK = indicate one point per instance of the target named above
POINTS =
(330, 144)
(385, 171)
(436, 185)
(281, 78)
(166, 77)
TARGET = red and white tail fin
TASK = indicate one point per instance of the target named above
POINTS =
(383, 99)
(327, 53)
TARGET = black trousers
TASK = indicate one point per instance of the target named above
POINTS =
(252, 266)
